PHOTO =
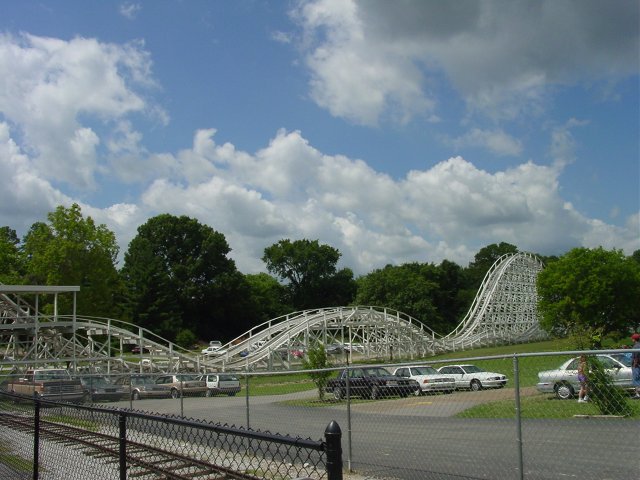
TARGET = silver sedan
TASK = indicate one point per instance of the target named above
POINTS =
(563, 381)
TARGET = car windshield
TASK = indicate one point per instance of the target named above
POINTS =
(188, 378)
(96, 381)
(141, 380)
(623, 358)
(52, 375)
(424, 371)
(376, 372)
(472, 369)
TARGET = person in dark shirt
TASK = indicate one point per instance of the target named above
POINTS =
(635, 365)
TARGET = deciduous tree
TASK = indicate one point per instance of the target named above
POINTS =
(73, 250)
(178, 276)
(310, 272)
(590, 290)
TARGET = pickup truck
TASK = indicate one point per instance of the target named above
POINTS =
(370, 382)
(49, 383)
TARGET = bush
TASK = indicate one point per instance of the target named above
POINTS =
(609, 399)
(317, 359)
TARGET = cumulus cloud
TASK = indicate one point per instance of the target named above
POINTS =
(373, 58)
(447, 211)
(67, 117)
(51, 89)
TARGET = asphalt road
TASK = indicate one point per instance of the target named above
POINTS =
(418, 438)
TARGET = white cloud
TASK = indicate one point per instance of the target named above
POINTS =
(496, 141)
(448, 211)
(52, 88)
(370, 58)
(129, 10)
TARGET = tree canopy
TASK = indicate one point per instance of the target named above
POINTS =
(590, 290)
(310, 272)
(178, 276)
(73, 250)
(11, 262)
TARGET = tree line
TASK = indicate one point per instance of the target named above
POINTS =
(178, 281)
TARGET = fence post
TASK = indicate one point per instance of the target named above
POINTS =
(36, 437)
(516, 380)
(349, 451)
(123, 445)
(246, 394)
(333, 442)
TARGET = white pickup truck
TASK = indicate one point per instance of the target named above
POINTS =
(49, 383)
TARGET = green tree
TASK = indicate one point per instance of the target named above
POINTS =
(11, 261)
(316, 359)
(310, 272)
(484, 260)
(268, 296)
(73, 250)
(178, 276)
(406, 288)
(589, 290)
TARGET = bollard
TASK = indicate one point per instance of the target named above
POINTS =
(333, 448)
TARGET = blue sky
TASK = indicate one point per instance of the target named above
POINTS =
(393, 131)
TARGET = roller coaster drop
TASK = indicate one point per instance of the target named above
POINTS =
(503, 311)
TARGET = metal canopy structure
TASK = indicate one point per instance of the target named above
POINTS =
(504, 311)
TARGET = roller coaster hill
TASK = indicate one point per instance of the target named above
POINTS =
(504, 311)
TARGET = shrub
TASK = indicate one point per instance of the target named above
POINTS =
(317, 359)
(609, 398)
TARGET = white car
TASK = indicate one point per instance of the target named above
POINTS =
(563, 381)
(226, 383)
(214, 349)
(473, 377)
(429, 378)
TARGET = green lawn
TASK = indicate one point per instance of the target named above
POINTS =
(540, 406)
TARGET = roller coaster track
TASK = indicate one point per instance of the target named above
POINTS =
(503, 311)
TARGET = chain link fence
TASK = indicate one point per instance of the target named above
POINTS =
(507, 417)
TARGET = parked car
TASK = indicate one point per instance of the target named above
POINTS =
(429, 379)
(142, 386)
(370, 382)
(473, 377)
(215, 348)
(187, 385)
(48, 383)
(137, 349)
(226, 383)
(334, 349)
(99, 388)
(563, 381)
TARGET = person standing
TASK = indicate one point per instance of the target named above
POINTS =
(635, 365)
(583, 368)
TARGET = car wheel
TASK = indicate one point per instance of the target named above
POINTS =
(232, 394)
(475, 385)
(418, 392)
(564, 391)
(375, 392)
(337, 393)
(175, 393)
(135, 395)
(208, 393)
